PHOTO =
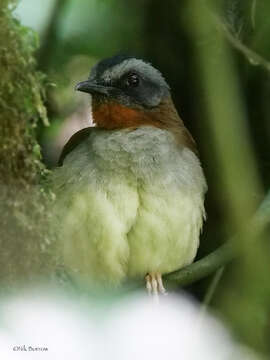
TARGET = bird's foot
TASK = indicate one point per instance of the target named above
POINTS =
(154, 284)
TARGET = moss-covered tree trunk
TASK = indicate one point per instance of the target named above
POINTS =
(23, 215)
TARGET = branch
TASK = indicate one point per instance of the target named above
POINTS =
(252, 56)
(204, 267)
(220, 257)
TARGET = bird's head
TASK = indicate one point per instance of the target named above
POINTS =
(127, 92)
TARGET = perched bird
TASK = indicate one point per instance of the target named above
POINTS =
(131, 188)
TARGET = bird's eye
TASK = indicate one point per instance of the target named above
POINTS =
(132, 80)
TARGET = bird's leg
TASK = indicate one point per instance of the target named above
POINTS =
(154, 284)
(161, 287)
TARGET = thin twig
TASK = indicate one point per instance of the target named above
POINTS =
(252, 56)
(211, 289)
(204, 267)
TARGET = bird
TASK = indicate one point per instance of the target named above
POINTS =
(129, 190)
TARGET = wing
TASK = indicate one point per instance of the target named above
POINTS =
(72, 143)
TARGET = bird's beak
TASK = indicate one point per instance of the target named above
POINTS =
(92, 88)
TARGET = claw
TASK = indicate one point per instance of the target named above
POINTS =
(161, 288)
(148, 284)
(154, 285)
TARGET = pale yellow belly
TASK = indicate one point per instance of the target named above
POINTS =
(165, 236)
(128, 231)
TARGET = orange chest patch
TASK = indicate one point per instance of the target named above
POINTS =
(116, 116)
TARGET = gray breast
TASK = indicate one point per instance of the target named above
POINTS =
(150, 154)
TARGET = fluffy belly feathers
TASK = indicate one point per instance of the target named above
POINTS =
(125, 212)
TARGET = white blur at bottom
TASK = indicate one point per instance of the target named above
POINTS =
(58, 326)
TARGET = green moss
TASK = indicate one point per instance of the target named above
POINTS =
(25, 245)
(21, 94)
